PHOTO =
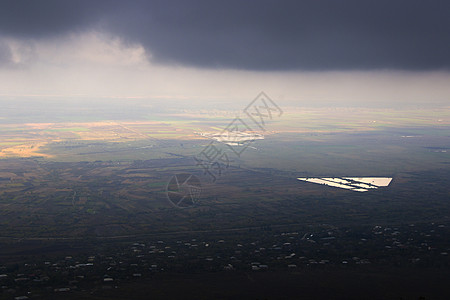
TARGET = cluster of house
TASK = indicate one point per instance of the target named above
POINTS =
(256, 251)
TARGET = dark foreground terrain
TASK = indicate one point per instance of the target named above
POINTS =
(312, 262)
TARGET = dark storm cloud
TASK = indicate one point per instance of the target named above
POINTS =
(46, 18)
(256, 35)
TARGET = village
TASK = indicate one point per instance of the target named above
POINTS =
(264, 250)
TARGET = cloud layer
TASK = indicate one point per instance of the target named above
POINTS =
(250, 35)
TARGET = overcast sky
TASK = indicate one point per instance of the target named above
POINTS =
(297, 51)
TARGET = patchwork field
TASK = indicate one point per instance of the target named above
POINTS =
(296, 125)
(113, 174)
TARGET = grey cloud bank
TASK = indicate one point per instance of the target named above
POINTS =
(251, 35)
